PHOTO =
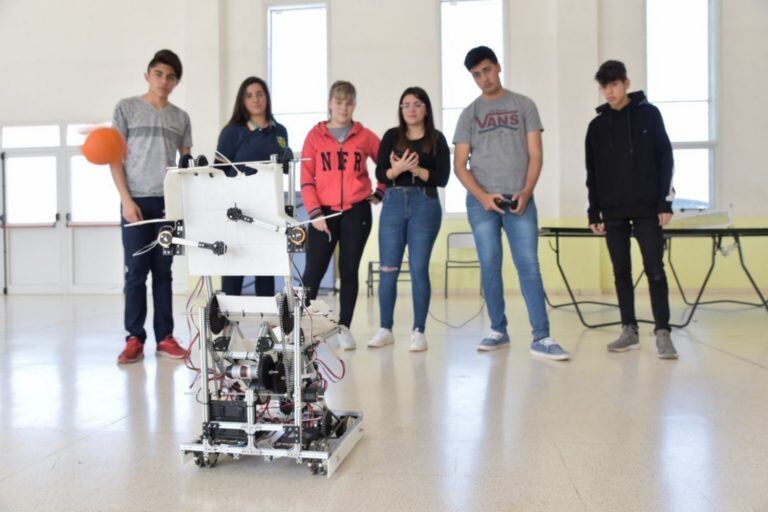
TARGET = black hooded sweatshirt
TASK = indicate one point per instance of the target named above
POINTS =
(629, 162)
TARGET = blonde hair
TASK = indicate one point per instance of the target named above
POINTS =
(342, 89)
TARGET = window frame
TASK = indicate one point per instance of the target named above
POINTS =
(711, 144)
(449, 215)
(62, 153)
(279, 6)
(57, 152)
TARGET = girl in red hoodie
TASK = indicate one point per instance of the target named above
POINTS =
(335, 179)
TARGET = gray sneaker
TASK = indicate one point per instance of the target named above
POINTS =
(627, 340)
(664, 346)
(494, 341)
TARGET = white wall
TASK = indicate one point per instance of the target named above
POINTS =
(71, 61)
(76, 61)
(742, 177)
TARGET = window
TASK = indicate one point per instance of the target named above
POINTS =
(34, 154)
(680, 85)
(464, 25)
(18, 137)
(93, 195)
(298, 71)
(76, 133)
(31, 189)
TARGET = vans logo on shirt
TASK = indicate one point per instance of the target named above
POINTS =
(509, 119)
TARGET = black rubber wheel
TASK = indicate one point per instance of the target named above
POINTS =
(327, 424)
(216, 320)
(286, 316)
(265, 370)
(279, 385)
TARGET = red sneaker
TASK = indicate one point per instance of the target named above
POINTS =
(170, 347)
(133, 351)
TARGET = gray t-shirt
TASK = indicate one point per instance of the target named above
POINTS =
(340, 134)
(496, 131)
(153, 137)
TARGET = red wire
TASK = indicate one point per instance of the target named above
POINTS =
(334, 377)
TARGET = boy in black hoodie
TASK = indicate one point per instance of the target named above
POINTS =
(629, 179)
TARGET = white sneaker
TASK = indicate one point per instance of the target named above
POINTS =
(418, 342)
(334, 345)
(346, 340)
(382, 338)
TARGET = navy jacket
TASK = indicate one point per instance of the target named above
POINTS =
(239, 144)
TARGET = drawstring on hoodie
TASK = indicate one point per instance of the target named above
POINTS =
(629, 131)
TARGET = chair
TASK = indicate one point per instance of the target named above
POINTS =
(456, 241)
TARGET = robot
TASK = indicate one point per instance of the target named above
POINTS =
(263, 396)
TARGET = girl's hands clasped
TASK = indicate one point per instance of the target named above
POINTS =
(408, 161)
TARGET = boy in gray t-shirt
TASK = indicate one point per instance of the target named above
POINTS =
(499, 136)
(153, 136)
(496, 130)
(154, 131)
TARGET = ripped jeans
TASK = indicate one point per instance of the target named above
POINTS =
(409, 217)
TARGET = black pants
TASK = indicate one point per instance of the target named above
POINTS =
(350, 230)
(233, 285)
(648, 234)
(138, 267)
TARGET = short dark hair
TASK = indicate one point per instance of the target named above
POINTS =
(240, 114)
(168, 58)
(477, 55)
(610, 71)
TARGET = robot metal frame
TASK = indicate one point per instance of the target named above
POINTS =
(241, 226)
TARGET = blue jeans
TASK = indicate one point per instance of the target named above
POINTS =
(408, 217)
(523, 237)
(137, 268)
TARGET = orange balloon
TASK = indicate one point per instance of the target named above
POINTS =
(104, 146)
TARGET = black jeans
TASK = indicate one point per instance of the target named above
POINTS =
(350, 230)
(648, 234)
(138, 267)
(233, 285)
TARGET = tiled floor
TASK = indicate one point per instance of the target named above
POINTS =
(449, 429)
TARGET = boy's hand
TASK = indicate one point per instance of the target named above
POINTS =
(489, 204)
(522, 199)
(598, 229)
(132, 212)
(664, 218)
(374, 199)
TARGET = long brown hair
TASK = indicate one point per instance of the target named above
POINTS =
(240, 114)
(430, 133)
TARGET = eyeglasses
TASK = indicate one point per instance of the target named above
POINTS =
(414, 105)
